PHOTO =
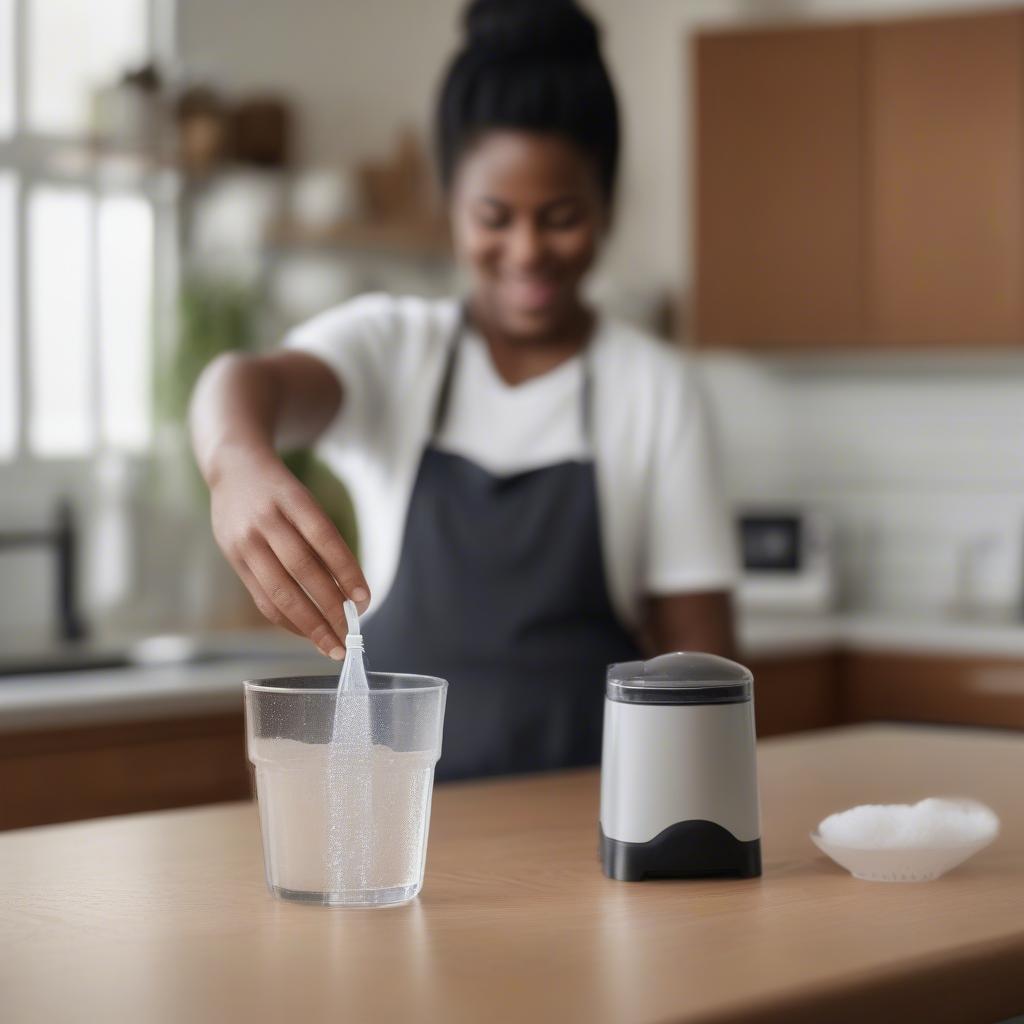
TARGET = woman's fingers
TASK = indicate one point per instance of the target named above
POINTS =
(322, 536)
(293, 562)
(308, 571)
(291, 600)
(263, 603)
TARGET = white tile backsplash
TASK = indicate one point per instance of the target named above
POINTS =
(921, 470)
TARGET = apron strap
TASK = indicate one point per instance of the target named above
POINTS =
(447, 375)
(444, 391)
(586, 398)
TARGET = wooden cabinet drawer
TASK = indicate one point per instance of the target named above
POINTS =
(933, 688)
(793, 693)
(94, 771)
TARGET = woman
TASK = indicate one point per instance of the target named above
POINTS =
(532, 481)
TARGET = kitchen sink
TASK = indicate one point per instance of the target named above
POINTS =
(17, 659)
(69, 658)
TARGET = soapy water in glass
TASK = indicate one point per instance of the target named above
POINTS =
(348, 817)
(315, 848)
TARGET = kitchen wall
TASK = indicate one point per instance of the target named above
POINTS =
(645, 44)
(919, 462)
(925, 476)
(355, 69)
(919, 466)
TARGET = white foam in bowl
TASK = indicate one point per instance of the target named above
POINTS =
(906, 843)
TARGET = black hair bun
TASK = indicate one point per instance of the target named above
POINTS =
(533, 66)
(528, 28)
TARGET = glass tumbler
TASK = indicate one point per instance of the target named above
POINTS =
(344, 810)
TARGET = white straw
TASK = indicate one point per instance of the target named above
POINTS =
(350, 768)
(353, 673)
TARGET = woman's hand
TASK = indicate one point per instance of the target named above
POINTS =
(284, 548)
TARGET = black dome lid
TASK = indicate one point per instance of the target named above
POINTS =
(683, 677)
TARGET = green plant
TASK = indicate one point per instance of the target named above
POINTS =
(330, 493)
(216, 316)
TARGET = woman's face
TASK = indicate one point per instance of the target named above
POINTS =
(527, 216)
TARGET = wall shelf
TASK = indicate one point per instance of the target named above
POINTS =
(409, 241)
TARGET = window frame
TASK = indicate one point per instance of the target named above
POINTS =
(40, 159)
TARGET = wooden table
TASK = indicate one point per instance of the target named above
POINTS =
(164, 917)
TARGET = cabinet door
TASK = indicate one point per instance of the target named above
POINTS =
(796, 692)
(944, 109)
(933, 688)
(95, 770)
(779, 199)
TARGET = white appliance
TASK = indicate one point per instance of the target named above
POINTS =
(788, 561)
(679, 770)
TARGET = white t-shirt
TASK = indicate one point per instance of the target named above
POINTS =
(664, 527)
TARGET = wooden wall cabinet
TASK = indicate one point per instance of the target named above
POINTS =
(862, 185)
(779, 211)
(945, 115)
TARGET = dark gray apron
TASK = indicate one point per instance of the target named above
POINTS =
(501, 590)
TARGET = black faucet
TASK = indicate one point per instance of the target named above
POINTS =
(61, 537)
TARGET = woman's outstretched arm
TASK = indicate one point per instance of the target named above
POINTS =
(284, 548)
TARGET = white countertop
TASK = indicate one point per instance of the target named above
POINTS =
(777, 635)
(100, 696)
(124, 694)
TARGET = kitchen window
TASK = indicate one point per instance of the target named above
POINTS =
(86, 233)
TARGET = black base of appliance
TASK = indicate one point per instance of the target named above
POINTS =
(688, 849)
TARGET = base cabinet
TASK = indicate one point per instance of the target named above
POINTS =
(55, 775)
(958, 690)
(94, 771)
(794, 693)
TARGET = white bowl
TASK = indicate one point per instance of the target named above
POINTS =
(899, 864)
